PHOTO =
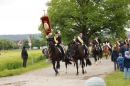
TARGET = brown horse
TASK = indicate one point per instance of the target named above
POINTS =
(55, 54)
(77, 53)
(117, 46)
(106, 51)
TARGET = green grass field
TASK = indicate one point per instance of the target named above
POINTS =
(116, 78)
(11, 62)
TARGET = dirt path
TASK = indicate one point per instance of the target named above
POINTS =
(46, 76)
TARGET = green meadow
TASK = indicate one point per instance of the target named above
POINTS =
(11, 62)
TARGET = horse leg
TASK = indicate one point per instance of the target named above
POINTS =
(54, 67)
(95, 59)
(77, 66)
(83, 64)
(66, 66)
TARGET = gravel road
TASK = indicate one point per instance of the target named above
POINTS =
(46, 76)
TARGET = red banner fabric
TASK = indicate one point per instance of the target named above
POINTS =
(46, 25)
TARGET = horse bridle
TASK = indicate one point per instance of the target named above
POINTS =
(74, 51)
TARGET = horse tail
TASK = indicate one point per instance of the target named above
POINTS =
(88, 62)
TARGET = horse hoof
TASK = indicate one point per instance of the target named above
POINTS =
(77, 74)
(58, 73)
(66, 72)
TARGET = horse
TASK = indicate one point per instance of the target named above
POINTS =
(106, 50)
(96, 51)
(117, 46)
(55, 55)
(77, 52)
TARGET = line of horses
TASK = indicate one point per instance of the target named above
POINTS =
(77, 53)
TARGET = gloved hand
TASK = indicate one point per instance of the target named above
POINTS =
(82, 44)
(47, 37)
(55, 44)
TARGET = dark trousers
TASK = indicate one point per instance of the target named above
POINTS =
(24, 62)
(116, 66)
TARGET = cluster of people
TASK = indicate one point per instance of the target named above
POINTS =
(121, 58)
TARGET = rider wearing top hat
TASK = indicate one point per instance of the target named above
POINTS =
(82, 41)
(98, 42)
(119, 42)
(126, 41)
(57, 40)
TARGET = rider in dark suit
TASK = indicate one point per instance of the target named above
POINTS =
(57, 40)
(82, 41)
(98, 41)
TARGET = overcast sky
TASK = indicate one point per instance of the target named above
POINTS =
(21, 16)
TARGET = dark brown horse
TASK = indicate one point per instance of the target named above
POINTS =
(96, 51)
(77, 53)
(55, 54)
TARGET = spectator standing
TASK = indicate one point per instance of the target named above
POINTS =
(114, 56)
(122, 49)
(126, 64)
(120, 61)
(24, 56)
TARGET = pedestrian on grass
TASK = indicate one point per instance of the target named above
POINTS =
(126, 64)
(24, 55)
(120, 62)
(114, 56)
(122, 49)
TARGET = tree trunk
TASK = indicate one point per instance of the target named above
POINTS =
(85, 34)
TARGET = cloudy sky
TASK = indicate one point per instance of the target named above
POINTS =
(21, 16)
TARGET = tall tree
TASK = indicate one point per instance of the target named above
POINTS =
(90, 16)
(25, 43)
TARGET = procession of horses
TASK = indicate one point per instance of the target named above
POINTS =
(78, 51)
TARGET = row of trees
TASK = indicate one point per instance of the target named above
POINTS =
(6, 44)
(35, 43)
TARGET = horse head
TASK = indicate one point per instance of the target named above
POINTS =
(50, 43)
(95, 45)
(72, 47)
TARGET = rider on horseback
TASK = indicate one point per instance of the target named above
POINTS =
(119, 42)
(81, 40)
(57, 40)
(106, 42)
(98, 42)
(126, 42)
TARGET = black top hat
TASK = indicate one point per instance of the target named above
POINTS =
(56, 32)
(106, 38)
(80, 32)
(125, 37)
(96, 36)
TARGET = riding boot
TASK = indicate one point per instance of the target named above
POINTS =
(86, 53)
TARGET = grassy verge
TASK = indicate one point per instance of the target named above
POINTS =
(116, 78)
(11, 62)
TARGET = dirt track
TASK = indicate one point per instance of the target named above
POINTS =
(46, 76)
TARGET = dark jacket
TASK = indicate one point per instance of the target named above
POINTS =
(24, 54)
(98, 41)
(58, 39)
(126, 42)
(126, 62)
(114, 55)
(122, 50)
(83, 38)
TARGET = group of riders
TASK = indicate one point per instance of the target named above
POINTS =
(81, 40)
